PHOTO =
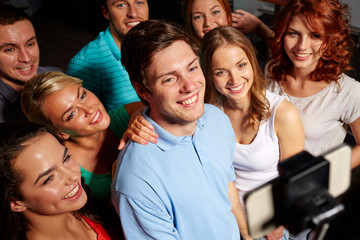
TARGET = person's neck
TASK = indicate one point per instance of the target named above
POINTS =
(238, 111)
(242, 105)
(60, 226)
(117, 37)
(90, 142)
(301, 75)
(175, 127)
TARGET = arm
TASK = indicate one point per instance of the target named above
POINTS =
(289, 129)
(237, 211)
(248, 23)
(355, 155)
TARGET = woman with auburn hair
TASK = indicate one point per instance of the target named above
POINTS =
(42, 195)
(267, 127)
(203, 15)
(311, 50)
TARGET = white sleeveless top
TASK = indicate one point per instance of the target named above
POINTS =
(256, 163)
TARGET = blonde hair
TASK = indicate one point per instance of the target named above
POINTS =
(37, 89)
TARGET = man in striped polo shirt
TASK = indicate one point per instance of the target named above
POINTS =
(98, 63)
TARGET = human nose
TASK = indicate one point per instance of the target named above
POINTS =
(232, 77)
(208, 21)
(70, 175)
(131, 11)
(88, 109)
(188, 85)
(23, 56)
(302, 43)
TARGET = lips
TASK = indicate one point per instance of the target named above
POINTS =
(132, 24)
(25, 69)
(239, 88)
(302, 56)
(96, 118)
(73, 192)
(189, 101)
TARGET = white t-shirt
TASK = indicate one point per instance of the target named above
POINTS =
(326, 114)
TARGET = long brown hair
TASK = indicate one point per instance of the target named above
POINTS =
(224, 36)
(329, 19)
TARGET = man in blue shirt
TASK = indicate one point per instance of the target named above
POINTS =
(178, 188)
(98, 64)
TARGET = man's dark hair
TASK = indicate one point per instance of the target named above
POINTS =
(146, 39)
(10, 14)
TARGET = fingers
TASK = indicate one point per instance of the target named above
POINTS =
(141, 131)
(241, 12)
(123, 141)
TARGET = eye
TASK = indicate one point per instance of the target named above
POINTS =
(70, 116)
(196, 17)
(220, 73)
(83, 95)
(192, 69)
(316, 36)
(67, 158)
(48, 179)
(120, 5)
(140, 2)
(31, 44)
(292, 33)
(216, 12)
(242, 65)
(10, 49)
(168, 80)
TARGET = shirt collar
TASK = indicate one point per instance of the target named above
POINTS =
(112, 44)
(166, 140)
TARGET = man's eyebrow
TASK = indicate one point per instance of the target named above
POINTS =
(9, 44)
(172, 72)
(41, 175)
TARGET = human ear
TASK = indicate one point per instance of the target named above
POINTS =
(63, 136)
(105, 12)
(17, 206)
(142, 92)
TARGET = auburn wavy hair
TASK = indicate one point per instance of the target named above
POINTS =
(329, 19)
(228, 35)
(187, 5)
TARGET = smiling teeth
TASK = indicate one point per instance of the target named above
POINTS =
(189, 101)
(73, 192)
(237, 88)
(25, 69)
(96, 117)
(133, 23)
(302, 54)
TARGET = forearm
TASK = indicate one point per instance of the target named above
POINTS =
(264, 32)
(355, 156)
(236, 209)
